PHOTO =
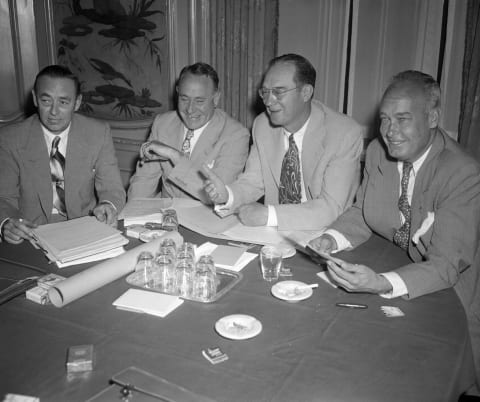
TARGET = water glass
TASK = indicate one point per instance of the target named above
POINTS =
(170, 245)
(170, 220)
(205, 282)
(165, 273)
(184, 277)
(145, 268)
(186, 252)
(271, 262)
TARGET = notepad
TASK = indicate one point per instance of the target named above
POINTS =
(143, 301)
(227, 255)
(240, 262)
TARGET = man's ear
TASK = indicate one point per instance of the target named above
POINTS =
(307, 92)
(78, 102)
(434, 117)
(216, 98)
(34, 98)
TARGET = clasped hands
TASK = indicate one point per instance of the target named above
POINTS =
(158, 151)
(351, 277)
(252, 214)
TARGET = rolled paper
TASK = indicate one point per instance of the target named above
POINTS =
(104, 273)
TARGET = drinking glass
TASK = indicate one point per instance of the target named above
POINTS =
(170, 220)
(165, 273)
(270, 261)
(205, 282)
(184, 277)
(186, 252)
(145, 268)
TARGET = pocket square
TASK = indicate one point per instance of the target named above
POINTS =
(426, 224)
(211, 164)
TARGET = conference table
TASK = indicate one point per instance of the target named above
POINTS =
(312, 350)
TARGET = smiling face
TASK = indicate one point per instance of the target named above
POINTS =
(56, 101)
(290, 109)
(197, 100)
(407, 122)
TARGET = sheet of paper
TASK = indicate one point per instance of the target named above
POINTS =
(144, 301)
(95, 257)
(209, 248)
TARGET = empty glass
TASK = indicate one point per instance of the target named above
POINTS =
(145, 268)
(270, 261)
(169, 246)
(184, 277)
(170, 220)
(165, 273)
(205, 281)
(186, 251)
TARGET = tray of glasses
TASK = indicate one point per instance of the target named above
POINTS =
(225, 280)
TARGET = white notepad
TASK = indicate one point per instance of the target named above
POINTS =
(143, 301)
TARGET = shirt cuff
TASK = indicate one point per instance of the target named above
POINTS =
(1, 228)
(225, 209)
(340, 239)
(108, 202)
(272, 216)
(398, 285)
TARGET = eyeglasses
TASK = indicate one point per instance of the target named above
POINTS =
(278, 93)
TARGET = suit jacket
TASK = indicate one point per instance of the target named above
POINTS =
(331, 150)
(447, 184)
(91, 170)
(223, 146)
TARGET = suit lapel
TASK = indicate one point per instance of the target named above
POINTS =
(312, 147)
(38, 166)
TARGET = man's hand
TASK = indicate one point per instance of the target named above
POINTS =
(323, 244)
(214, 186)
(253, 214)
(15, 231)
(156, 150)
(105, 212)
(357, 278)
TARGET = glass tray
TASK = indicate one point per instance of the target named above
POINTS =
(226, 280)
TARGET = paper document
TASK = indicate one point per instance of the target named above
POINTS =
(237, 266)
(143, 301)
(140, 207)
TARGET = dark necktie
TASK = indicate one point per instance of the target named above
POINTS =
(186, 143)
(290, 191)
(402, 236)
(57, 167)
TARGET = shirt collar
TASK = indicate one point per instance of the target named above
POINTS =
(417, 164)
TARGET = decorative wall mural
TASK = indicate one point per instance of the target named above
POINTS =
(119, 50)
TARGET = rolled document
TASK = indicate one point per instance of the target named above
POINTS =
(103, 273)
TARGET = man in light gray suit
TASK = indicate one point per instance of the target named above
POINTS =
(422, 192)
(182, 141)
(306, 183)
(30, 193)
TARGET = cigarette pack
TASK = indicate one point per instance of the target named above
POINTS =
(38, 295)
(80, 358)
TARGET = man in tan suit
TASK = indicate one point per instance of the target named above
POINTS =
(181, 141)
(326, 166)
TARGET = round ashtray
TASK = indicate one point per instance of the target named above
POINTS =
(150, 235)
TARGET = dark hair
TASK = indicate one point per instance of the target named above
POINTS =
(305, 73)
(426, 83)
(200, 69)
(57, 71)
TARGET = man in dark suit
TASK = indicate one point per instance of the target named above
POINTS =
(56, 165)
(305, 158)
(182, 141)
(421, 191)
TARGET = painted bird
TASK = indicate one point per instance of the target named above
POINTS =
(107, 71)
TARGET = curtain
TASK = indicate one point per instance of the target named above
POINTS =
(469, 124)
(243, 39)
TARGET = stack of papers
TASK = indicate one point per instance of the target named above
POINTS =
(142, 210)
(227, 257)
(78, 240)
(143, 301)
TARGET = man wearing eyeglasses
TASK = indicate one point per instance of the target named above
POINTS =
(181, 141)
(305, 158)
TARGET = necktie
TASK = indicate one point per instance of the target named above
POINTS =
(402, 236)
(186, 143)
(290, 191)
(57, 167)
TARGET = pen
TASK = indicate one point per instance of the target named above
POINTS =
(351, 305)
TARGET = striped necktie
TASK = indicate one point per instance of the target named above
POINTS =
(290, 191)
(57, 168)
(186, 146)
(402, 235)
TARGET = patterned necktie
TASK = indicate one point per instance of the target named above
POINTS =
(186, 143)
(290, 191)
(57, 167)
(402, 236)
